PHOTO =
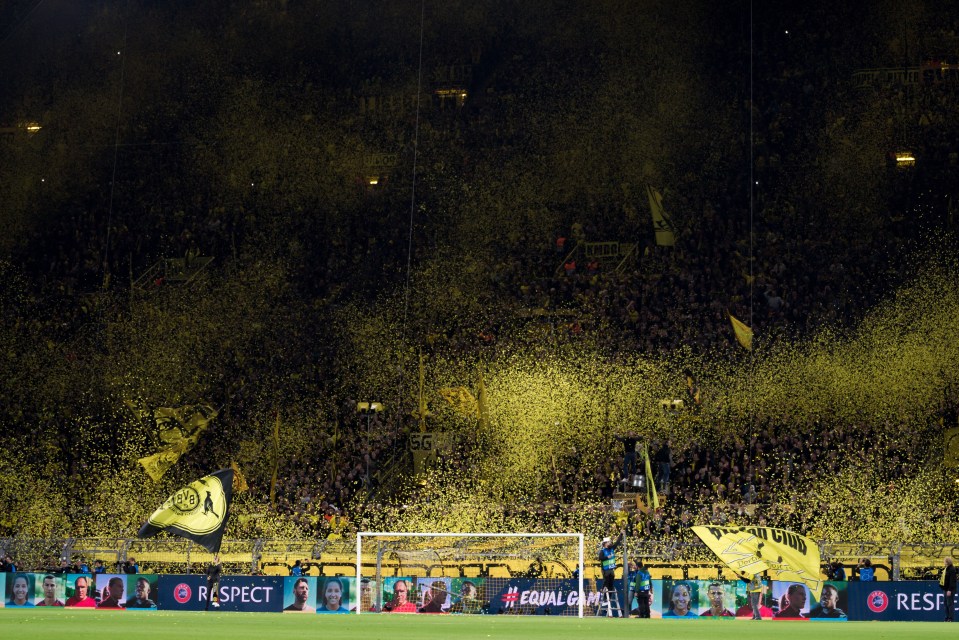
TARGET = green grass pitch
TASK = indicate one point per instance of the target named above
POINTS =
(169, 625)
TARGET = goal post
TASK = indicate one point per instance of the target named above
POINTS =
(514, 573)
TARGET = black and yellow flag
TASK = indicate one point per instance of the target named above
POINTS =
(175, 424)
(239, 480)
(744, 334)
(787, 556)
(651, 494)
(422, 411)
(177, 430)
(662, 225)
(197, 512)
(461, 400)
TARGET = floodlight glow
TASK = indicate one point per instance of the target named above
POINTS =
(905, 159)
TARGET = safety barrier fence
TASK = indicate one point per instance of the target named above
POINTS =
(666, 559)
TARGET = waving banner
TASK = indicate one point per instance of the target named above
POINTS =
(744, 333)
(787, 556)
(177, 430)
(662, 225)
(197, 512)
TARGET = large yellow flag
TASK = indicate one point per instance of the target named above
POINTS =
(157, 464)
(198, 511)
(239, 480)
(461, 400)
(177, 423)
(178, 429)
(651, 494)
(744, 334)
(662, 225)
(787, 556)
(422, 411)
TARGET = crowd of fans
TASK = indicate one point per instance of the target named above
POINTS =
(744, 481)
(769, 259)
(59, 566)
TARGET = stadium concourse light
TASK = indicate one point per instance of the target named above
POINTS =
(368, 409)
(905, 159)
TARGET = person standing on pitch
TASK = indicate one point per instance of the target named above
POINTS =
(607, 559)
(213, 572)
(643, 585)
(755, 589)
(948, 583)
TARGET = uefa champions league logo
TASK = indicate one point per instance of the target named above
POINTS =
(182, 593)
(877, 601)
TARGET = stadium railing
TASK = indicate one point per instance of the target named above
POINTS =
(321, 557)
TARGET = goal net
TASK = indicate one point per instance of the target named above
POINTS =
(472, 573)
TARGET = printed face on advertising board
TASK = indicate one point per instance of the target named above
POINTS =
(334, 595)
(20, 590)
(434, 595)
(142, 592)
(79, 590)
(791, 601)
(399, 595)
(299, 594)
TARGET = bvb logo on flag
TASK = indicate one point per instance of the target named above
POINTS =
(198, 511)
(186, 500)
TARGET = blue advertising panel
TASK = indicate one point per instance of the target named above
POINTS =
(538, 597)
(916, 600)
(181, 593)
(718, 599)
(237, 593)
(250, 593)
(679, 599)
